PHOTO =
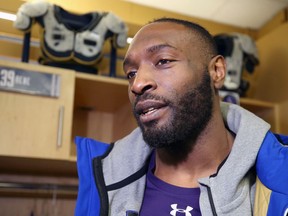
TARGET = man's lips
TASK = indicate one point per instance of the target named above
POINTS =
(148, 110)
(147, 106)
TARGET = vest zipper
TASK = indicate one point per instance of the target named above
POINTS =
(211, 200)
(100, 185)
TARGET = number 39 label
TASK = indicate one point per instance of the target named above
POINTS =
(29, 82)
(7, 78)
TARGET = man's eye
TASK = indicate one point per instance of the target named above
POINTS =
(163, 61)
(131, 74)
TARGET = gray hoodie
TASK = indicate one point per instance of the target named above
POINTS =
(230, 191)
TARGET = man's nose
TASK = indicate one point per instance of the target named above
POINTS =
(143, 81)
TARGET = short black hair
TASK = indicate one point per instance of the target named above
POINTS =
(203, 33)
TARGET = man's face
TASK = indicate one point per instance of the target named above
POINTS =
(169, 85)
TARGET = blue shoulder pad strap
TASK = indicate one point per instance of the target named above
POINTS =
(88, 199)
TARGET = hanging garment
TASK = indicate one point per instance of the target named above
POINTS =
(241, 54)
(67, 37)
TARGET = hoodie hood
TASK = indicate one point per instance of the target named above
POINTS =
(231, 185)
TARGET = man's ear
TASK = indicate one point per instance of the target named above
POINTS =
(217, 70)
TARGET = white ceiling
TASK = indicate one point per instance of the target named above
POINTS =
(251, 14)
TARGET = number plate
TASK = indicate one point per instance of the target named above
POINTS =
(29, 82)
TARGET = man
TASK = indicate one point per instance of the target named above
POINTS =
(192, 154)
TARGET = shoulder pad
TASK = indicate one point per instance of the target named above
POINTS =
(118, 27)
(27, 11)
(247, 44)
(115, 24)
(34, 9)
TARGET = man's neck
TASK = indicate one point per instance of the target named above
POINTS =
(210, 150)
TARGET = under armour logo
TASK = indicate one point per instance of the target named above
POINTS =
(182, 211)
(286, 212)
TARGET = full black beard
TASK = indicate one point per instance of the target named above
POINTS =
(191, 114)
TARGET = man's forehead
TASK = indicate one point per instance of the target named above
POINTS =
(159, 33)
(161, 26)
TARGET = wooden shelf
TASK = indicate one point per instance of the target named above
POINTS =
(256, 104)
(39, 167)
(94, 92)
(102, 110)
(265, 110)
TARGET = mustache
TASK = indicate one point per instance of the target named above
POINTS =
(150, 96)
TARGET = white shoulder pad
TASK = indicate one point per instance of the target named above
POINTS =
(29, 10)
(22, 22)
(34, 8)
(247, 44)
(117, 26)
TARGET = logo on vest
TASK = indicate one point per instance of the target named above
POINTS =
(184, 212)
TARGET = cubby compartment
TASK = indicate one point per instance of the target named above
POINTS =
(265, 110)
(102, 110)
